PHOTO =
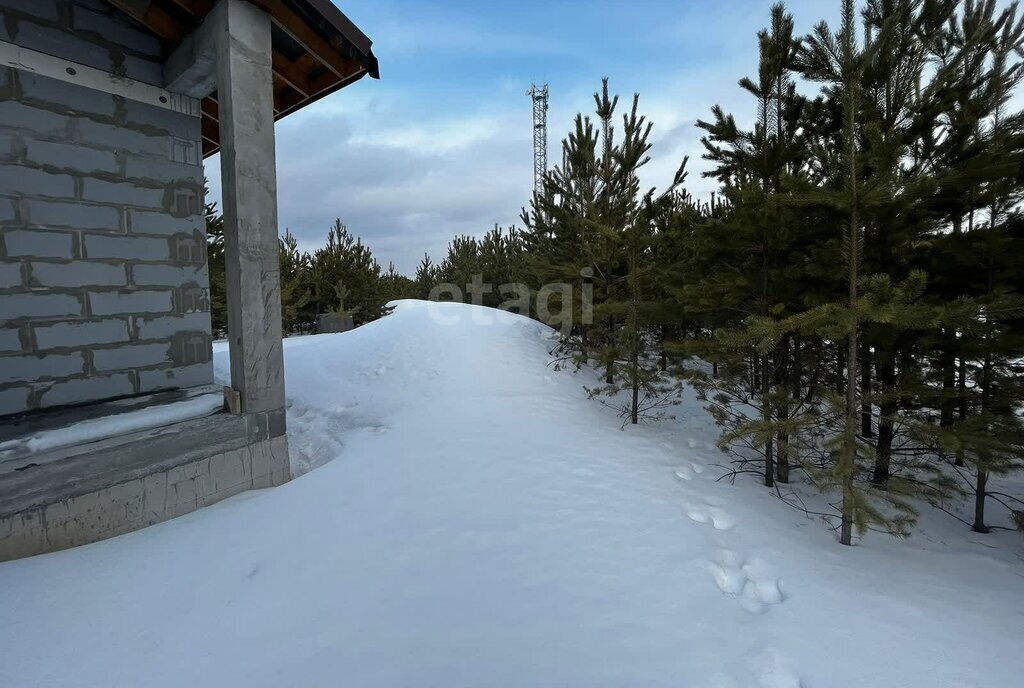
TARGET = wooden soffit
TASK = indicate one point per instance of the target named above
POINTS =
(316, 49)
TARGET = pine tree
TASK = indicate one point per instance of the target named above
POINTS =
(834, 58)
(426, 277)
(591, 227)
(396, 286)
(755, 168)
(346, 259)
(502, 263)
(462, 263)
(295, 287)
(999, 380)
(640, 374)
(977, 260)
(855, 281)
(217, 267)
(567, 235)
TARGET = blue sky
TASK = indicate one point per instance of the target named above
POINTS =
(441, 144)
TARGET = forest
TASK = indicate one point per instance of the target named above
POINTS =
(849, 304)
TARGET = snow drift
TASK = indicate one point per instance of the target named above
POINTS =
(474, 520)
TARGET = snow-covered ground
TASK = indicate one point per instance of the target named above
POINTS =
(474, 519)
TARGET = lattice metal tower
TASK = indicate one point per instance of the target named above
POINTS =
(539, 95)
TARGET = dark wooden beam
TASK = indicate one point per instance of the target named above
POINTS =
(318, 46)
(211, 132)
(153, 17)
(290, 102)
(210, 109)
(172, 20)
(166, 26)
(211, 136)
(199, 8)
(291, 74)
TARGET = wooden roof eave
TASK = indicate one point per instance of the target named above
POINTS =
(329, 59)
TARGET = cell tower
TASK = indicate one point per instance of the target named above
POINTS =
(539, 95)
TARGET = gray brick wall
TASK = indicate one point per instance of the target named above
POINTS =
(104, 289)
(90, 32)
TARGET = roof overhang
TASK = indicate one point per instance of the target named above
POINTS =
(316, 49)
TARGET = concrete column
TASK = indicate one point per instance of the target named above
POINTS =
(248, 176)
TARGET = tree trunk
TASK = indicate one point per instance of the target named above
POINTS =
(635, 409)
(883, 452)
(782, 461)
(814, 375)
(887, 414)
(634, 343)
(664, 354)
(980, 486)
(979, 502)
(840, 373)
(796, 374)
(962, 401)
(782, 373)
(609, 377)
(865, 391)
(848, 468)
(767, 373)
(947, 363)
(766, 415)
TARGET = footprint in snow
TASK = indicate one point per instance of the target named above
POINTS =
(684, 473)
(749, 581)
(710, 512)
(772, 670)
(767, 669)
(689, 471)
(375, 372)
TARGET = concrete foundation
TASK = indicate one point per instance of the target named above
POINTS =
(78, 495)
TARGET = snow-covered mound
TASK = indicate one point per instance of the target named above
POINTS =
(475, 520)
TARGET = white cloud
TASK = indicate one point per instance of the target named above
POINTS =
(407, 169)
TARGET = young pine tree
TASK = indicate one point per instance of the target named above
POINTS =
(295, 287)
(347, 260)
(639, 375)
(763, 236)
(217, 267)
(835, 59)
